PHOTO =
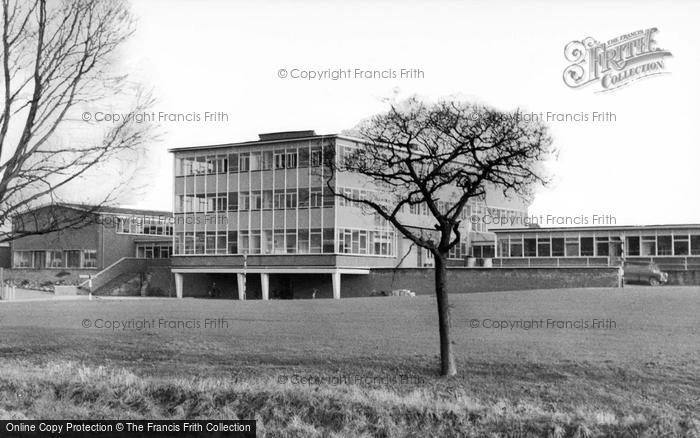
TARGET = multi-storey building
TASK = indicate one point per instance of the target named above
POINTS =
(262, 212)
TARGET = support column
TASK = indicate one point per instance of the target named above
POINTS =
(178, 285)
(265, 285)
(336, 284)
(241, 286)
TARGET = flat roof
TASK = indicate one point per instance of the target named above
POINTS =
(101, 209)
(596, 228)
(268, 138)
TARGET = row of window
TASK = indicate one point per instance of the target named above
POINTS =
(53, 259)
(366, 242)
(248, 161)
(459, 251)
(279, 199)
(280, 241)
(483, 251)
(146, 225)
(153, 251)
(649, 246)
(663, 245)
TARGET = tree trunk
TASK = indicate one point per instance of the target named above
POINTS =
(447, 360)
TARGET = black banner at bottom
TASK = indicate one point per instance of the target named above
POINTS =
(127, 428)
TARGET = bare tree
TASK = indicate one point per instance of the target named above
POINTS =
(56, 60)
(439, 156)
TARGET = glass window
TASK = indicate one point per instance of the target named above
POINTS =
(328, 199)
(558, 247)
(244, 242)
(22, 259)
(267, 242)
(648, 245)
(586, 246)
(187, 165)
(315, 246)
(303, 197)
(665, 246)
(233, 242)
(303, 241)
(255, 242)
(315, 158)
(695, 245)
(267, 200)
(233, 163)
(200, 165)
(328, 241)
(279, 246)
(680, 245)
(315, 197)
(55, 259)
(572, 247)
(189, 243)
(291, 159)
(291, 241)
(503, 248)
(267, 160)
(244, 162)
(89, 258)
(199, 242)
(291, 200)
(233, 201)
(602, 246)
(530, 247)
(255, 161)
(72, 258)
(244, 201)
(39, 259)
(544, 247)
(221, 243)
(279, 158)
(516, 248)
(279, 200)
(303, 157)
(632, 246)
(255, 200)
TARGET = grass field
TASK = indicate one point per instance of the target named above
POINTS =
(366, 366)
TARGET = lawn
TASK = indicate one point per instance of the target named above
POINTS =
(367, 366)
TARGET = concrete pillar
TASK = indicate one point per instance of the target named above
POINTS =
(241, 286)
(178, 285)
(336, 284)
(265, 285)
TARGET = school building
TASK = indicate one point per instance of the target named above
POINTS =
(258, 219)
(91, 238)
(672, 247)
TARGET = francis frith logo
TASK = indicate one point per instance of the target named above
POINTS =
(616, 62)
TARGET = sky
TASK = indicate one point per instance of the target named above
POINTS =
(639, 166)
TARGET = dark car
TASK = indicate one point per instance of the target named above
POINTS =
(644, 272)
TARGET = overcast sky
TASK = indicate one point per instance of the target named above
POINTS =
(225, 56)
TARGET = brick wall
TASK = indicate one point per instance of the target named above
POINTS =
(468, 280)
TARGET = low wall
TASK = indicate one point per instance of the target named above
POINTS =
(684, 278)
(469, 280)
(45, 279)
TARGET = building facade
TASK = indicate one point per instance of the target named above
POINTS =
(672, 247)
(96, 237)
(261, 212)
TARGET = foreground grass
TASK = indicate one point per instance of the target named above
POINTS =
(640, 379)
(71, 390)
